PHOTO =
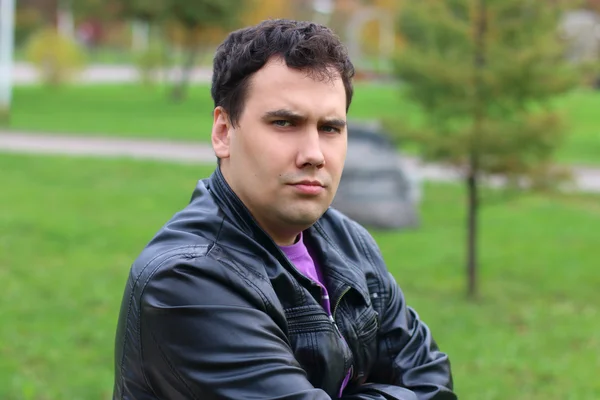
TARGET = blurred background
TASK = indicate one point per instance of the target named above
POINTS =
(474, 159)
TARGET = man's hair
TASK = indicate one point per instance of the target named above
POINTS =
(303, 45)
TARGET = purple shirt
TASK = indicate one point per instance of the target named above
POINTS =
(299, 255)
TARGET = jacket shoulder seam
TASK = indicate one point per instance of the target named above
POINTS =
(178, 253)
(170, 254)
(266, 303)
(173, 371)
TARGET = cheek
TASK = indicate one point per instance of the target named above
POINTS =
(277, 153)
(265, 160)
(246, 148)
(336, 156)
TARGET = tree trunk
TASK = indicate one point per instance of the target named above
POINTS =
(472, 231)
(472, 182)
(179, 90)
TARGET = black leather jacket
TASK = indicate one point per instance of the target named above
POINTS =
(214, 310)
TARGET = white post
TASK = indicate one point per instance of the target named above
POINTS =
(322, 11)
(66, 25)
(387, 39)
(7, 19)
(140, 34)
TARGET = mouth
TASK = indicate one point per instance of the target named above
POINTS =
(309, 187)
(309, 183)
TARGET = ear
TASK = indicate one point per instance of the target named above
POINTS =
(221, 131)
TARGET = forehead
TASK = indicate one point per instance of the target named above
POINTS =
(277, 85)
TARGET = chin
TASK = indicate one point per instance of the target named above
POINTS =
(302, 213)
(303, 219)
(310, 219)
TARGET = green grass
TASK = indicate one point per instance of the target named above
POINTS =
(137, 111)
(70, 227)
(121, 55)
(583, 112)
(109, 56)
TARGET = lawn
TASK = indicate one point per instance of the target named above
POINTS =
(70, 227)
(137, 111)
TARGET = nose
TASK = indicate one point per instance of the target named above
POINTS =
(310, 153)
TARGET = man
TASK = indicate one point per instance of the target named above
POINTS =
(257, 289)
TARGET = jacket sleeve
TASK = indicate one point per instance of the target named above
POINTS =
(205, 335)
(408, 356)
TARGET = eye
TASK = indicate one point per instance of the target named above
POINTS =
(282, 123)
(331, 129)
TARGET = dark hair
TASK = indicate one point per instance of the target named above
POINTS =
(303, 45)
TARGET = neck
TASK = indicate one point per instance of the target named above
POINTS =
(285, 236)
(281, 237)
(288, 241)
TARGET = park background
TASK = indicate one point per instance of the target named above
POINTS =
(515, 303)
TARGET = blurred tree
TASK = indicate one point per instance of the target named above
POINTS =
(201, 16)
(105, 10)
(260, 10)
(148, 11)
(148, 34)
(57, 57)
(303, 9)
(28, 20)
(484, 73)
(593, 68)
(593, 4)
(371, 31)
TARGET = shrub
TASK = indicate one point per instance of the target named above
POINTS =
(149, 63)
(57, 57)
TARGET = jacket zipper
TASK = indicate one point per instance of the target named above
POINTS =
(299, 274)
(291, 265)
(335, 306)
(350, 369)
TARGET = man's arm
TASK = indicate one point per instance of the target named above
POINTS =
(205, 336)
(408, 356)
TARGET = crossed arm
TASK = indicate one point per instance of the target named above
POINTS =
(201, 339)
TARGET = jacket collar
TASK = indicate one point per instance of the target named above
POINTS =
(239, 215)
(233, 207)
(339, 270)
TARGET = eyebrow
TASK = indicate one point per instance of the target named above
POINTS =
(292, 116)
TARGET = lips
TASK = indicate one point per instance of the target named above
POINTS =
(309, 183)
(309, 187)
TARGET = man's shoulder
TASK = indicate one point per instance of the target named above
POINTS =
(352, 241)
(189, 234)
(340, 227)
(357, 247)
(169, 269)
(164, 254)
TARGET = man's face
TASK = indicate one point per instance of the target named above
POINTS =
(284, 159)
